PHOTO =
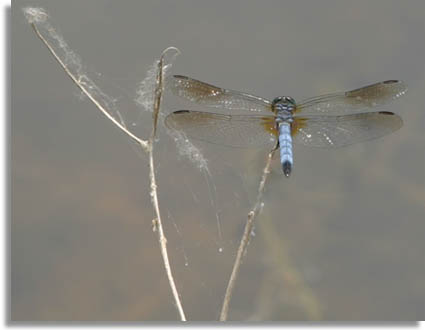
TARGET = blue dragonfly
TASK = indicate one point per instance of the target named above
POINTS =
(328, 121)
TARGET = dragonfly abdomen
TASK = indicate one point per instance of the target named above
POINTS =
(285, 143)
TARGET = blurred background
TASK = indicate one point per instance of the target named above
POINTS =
(342, 239)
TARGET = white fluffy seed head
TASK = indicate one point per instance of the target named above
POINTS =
(35, 15)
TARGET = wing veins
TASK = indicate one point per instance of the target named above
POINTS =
(209, 95)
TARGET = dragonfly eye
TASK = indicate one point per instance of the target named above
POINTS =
(284, 99)
(284, 103)
(277, 100)
(289, 99)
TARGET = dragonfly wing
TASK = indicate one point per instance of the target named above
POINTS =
(205, 94)
(354, 101)
(235, 131)
(339, 131)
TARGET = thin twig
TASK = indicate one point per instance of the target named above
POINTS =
(154, 194)
(147, 146)
(245, 238)
(143, 143)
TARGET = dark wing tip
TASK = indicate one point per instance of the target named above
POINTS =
(181, 111)
(400, 84)
(397, 120)
(170, 120)
(391, 81)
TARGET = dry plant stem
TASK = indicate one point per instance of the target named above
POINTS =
(245, 238)
(142, 143)
(158, 95)
(154, 195)
(147, 146)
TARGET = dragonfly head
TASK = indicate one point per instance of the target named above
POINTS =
(284, 103)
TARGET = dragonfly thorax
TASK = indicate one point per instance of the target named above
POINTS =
(284, 107)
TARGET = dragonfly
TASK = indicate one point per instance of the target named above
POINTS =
(326, 121)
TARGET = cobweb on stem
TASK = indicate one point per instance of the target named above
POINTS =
(144, 100)
(185, 147)
(125, 112)
(146, 91)
(72, 66)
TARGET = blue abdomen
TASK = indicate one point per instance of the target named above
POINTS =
(285, 143)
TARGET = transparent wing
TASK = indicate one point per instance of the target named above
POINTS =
(354, 101)
(339, 131)
(216, 97)
(235, 131)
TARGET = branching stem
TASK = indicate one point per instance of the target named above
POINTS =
(146, 145)
(245, 238)
(142, 143)
(154, 195)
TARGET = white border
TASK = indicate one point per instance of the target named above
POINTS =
(5, 198)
